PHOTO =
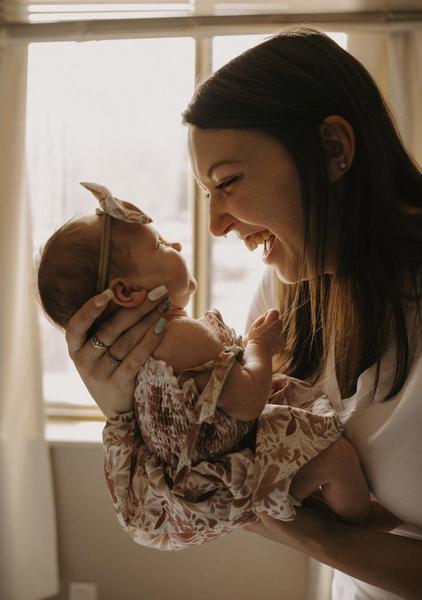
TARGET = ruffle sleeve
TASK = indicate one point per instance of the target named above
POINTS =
(168, 508)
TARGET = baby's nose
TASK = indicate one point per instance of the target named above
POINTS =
(177, 246)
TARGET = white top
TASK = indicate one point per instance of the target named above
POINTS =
(386, 435)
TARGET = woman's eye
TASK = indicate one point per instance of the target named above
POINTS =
(227, 182)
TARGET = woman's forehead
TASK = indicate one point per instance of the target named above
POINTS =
(215, 140)
(210, 147)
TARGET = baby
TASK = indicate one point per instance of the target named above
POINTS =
(214, 438)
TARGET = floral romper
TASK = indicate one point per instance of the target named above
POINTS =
(181, 472)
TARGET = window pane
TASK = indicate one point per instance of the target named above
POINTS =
(107, 112)
(236, 272)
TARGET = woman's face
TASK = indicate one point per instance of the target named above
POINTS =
(254, 190)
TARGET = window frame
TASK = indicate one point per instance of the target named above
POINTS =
(201, 244)
(202, 30)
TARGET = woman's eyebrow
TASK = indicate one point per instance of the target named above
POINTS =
(219, 164)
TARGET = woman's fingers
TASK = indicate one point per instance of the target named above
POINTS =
(106, 360)
(140, 352)
(137, 332)
(125, 327)
(78, 326)
(82, 320)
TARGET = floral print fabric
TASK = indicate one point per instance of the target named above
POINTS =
(177, 423)
(171, 493)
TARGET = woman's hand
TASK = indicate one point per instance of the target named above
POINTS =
(390, 562)
(108, 362)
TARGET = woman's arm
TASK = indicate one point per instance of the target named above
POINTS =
(390, 562)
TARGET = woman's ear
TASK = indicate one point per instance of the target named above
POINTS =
(125, 294)
(338, 142)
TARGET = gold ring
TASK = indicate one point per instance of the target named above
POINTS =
(97, 343)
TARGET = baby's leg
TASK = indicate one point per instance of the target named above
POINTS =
(337, 472)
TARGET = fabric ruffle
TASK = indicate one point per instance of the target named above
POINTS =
(168, 509)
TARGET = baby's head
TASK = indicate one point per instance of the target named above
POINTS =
(139, 260)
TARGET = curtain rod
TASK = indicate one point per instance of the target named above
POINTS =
(202, 26)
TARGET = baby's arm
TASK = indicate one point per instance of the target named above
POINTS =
(249, 385)
(189, 343)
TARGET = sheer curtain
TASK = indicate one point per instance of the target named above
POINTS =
(28, 561)
(394, 59)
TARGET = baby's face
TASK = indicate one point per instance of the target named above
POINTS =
(155, 261)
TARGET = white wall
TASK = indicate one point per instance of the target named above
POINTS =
(94, 548)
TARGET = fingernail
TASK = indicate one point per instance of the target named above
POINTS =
(104, 298)
(160, 326)
(164, 306)
(157, 292)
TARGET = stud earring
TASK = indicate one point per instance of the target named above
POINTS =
(342, 166)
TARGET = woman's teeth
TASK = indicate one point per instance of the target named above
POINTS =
(255, 240)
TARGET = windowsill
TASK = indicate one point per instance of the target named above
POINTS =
(77, 433)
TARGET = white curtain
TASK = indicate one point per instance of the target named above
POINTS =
(394, 60)
(28, 561)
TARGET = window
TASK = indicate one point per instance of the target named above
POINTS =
(109, 112)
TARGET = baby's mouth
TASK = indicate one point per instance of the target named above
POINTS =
(265, 238)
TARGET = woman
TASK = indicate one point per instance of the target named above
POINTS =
(293, 142)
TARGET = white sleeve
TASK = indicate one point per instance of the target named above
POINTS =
(265, 297)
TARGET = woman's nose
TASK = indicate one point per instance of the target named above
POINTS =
(219, 220)
(177, 246)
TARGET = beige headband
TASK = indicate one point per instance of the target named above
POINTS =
(111, 207)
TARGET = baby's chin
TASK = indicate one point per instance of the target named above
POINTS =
(181, 300)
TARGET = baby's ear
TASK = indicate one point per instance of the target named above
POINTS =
(125, 294)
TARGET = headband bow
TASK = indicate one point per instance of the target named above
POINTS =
(111, 207)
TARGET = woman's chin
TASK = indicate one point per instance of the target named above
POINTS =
(285, 276)
(287, 271)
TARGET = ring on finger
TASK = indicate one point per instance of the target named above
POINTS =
(97, 343)
(112, 359)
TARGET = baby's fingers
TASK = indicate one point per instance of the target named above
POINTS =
(272, 315)
(82, 320)
(258, 321)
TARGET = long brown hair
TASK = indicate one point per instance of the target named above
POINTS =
(287, 86)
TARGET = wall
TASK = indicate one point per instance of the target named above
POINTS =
(94, 548)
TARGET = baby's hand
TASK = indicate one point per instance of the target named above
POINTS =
(267, 331)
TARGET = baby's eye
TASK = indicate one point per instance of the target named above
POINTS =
(161, 242)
